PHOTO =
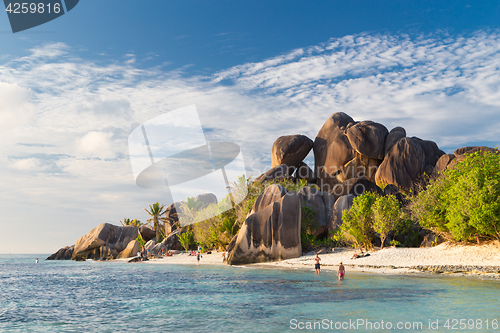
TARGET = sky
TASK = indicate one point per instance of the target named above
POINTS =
(73, 89)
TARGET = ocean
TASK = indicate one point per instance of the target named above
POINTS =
(67, 296)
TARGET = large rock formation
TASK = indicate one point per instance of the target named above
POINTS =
(270, 195)
(63, 254)
(272, 233)
(290, 150)
(206, 199)
(406, 161)
(345, 149)
(368, 139)
(172, 217)
(104, 241)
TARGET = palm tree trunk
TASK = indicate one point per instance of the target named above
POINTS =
(157, 229)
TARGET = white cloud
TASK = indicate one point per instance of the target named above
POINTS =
(27, 164)
(53, 50)
(95, 144)
(15, 106)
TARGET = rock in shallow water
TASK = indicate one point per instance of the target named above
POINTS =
(104, 240)
(63, 254)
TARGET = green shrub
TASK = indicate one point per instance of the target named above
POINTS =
(309, 223)
(357, 222)
(464, 200)
(386, 216)
(186, 239)
(140, 240)
(370, 213)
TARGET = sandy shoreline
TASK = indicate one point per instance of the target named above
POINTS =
(447, 258)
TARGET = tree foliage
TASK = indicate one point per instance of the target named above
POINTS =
(357, 222)
(186, 239)
(134, 222)
(464, 200)
(309, 223)
(370, 214)
(156, 211)
(386, 216)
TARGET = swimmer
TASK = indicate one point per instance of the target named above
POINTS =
(341, 272)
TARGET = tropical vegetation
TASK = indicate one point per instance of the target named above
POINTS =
(156, 211)
(464, 201)
(370, 214)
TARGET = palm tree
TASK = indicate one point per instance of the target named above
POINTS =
(239, 189)
(156, 211)
(134, 222)
(125, 222)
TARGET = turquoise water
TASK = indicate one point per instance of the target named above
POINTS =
(66, 296)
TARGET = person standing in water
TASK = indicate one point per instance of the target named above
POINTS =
(36, 261)
(317, 259)
(341, 272)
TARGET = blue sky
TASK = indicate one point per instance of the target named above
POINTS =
(72, 89)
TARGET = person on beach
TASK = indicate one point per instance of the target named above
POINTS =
(317, 259)
(341, 272)
(198, 258)
(139, 254)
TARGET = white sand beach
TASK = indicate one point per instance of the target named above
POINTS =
(447, 258)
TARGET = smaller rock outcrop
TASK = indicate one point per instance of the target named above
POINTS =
(63, 254)
(303, 171)
(443, 162)
(342, 203)
(133, 247)
(206, 199)
(406, 161)
(279, 172)
(147, 233)
(172, 241)
(290, 150)
(104, 241)
(396, 134)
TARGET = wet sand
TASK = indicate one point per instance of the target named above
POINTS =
(446, 258)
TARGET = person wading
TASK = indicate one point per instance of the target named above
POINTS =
(317, 259)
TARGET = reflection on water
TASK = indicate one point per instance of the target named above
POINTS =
(108, 297)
